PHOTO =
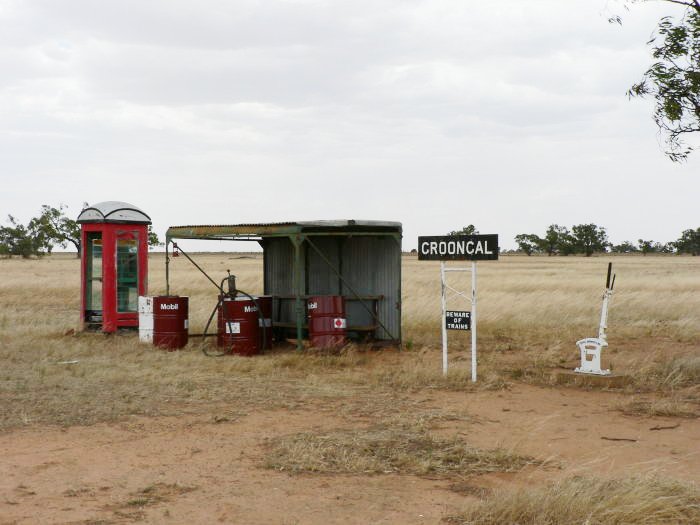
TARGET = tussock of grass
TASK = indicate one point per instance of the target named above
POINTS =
(405, 449)
(157, 493)
(664, 407)
(413, 378)
(537, 368)
(343, 358)
(133, 509)
(675, 373)
(638, 500)
(425, 371)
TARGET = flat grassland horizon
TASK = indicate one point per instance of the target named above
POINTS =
(531, 311)
(529, 298)
(535, 299)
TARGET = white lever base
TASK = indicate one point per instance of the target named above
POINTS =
(591, 348)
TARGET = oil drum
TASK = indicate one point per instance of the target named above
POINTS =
(238, 329)
(265, 324)
(327, 322)
(170, 321)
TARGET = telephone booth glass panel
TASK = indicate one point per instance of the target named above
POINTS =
(93, 291)
(127, 272)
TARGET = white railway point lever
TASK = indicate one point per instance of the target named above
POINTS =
(592, 347)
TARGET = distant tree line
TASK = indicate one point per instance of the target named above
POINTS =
(42, 233)
(588, 239)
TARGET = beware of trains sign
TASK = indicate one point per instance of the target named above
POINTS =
(458, 248)
(458, 320)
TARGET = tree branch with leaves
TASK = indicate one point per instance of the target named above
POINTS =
(673, 81)
(53, 227)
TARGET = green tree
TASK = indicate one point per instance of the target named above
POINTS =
(689, 242)
(52, 227)
(556, 240)
(17, 239)
(467, 230)
(673, 80)
(646, 246)
(667, 247)
(153, 239)
(528, 243)
(589, 238)
(624, 247)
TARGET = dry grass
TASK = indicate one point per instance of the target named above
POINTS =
(676, 381)
(134, 508)
(664, 407)
(531, 310)
(115, 376)
(638, 500)
(419, 372)
(670, 374)
(392, 447)
(538, 301)
(157, 493)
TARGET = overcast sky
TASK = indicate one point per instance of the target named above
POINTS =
(510, 115)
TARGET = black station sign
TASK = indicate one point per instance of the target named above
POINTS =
(455, 320)
(458, 248)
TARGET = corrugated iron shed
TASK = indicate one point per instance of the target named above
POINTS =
(360, 260)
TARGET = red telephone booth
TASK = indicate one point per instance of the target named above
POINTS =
(114, 265)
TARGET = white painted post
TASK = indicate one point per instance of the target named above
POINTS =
(604, 316)
(442, 319)
(473, 321)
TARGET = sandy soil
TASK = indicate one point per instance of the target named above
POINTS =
(199, 469)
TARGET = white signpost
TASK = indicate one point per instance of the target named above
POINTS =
(472, 315)
(460, 248)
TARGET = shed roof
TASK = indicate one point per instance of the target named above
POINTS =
(113, 211)
(277, 229)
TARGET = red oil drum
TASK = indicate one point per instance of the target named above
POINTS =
(265, 324)
(238, 329)
(327, 322)
(170, 321)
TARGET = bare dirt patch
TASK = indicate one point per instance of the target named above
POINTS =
(202, 468)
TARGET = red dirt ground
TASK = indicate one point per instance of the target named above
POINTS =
(193, 469)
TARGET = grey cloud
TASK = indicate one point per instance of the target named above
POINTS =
(425, 101)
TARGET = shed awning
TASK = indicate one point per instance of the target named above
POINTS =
(281, 229)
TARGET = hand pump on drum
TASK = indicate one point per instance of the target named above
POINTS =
(230, 295)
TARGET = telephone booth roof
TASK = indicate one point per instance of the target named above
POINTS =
(114, 212)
